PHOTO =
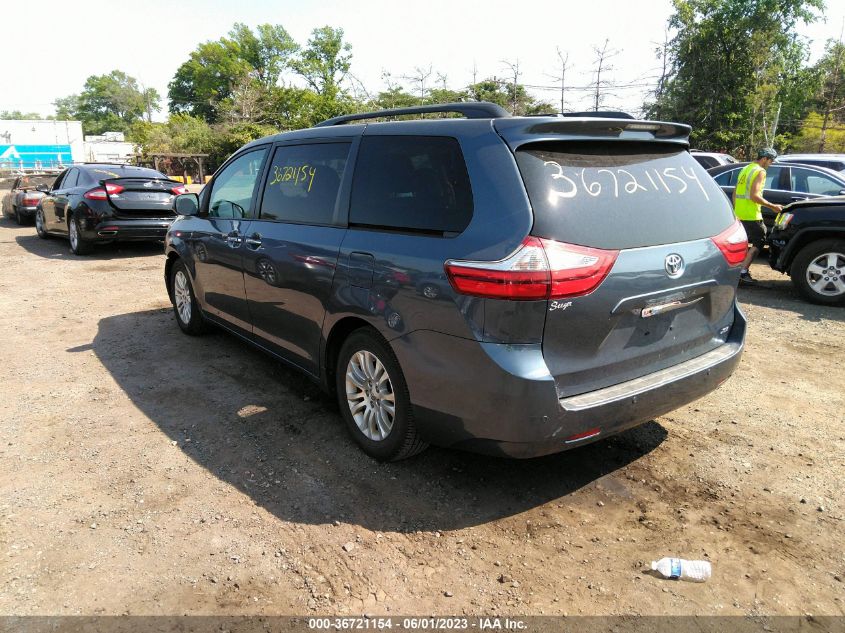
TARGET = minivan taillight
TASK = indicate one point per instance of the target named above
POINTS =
(733, 242)
(100, 193)
(538, 269)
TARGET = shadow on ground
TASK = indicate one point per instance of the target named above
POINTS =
(780, 294)
(272, 434)
(59, 248)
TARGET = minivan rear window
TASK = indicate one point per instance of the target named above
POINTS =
(620, 194)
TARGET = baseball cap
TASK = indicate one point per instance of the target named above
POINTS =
(767, 152)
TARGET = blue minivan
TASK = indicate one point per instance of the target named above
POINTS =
(515, 286)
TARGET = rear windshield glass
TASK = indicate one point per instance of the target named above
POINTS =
(97, 173)
(620, 195)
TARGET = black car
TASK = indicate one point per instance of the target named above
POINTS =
(100, 203)
(785, 183)
(808, 244)
(510, 285)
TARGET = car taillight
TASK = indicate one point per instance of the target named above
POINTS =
(100, 192)
(178, 190)
(733, 242)
(538, 269)
(30, 201)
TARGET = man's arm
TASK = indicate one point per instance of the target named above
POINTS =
(757, 193)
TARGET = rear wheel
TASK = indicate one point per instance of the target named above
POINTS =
(373, 398)
(818, 272)
(185, 306)
(78, 244)
(18, 216)
(39, 224)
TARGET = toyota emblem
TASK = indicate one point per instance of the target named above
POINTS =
(674, 265)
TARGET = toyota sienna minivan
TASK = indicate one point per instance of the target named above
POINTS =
(509, 285)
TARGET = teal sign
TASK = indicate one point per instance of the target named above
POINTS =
(34, 156)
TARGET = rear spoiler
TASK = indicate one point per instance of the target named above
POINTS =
(519, 131)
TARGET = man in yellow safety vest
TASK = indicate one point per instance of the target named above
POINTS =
(747, 200)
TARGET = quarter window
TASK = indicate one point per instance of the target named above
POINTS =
(411, 183)
(233, 188)
(303, 183)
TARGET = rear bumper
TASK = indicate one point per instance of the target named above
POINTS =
(511, 408)
(27, 212)
(128, 230)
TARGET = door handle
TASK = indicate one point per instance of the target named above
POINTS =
(253, 241)
(796, 198)
(234, 239)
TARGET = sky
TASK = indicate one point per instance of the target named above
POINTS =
(57, 44)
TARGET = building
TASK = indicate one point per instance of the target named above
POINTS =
(110, 147)
(37, 144)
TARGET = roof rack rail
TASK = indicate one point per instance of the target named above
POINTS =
(601, 114)
(471, 110)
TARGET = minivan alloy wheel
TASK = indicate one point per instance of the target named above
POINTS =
(182, 296)
(825, 274)
(369, 395)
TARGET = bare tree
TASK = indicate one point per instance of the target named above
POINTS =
(663, 55)
(602, 66)
(564, 66)
(420, 77)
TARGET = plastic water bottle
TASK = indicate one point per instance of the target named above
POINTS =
(678, 568)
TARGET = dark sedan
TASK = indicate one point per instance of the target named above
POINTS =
(99, 203)
(785, 184)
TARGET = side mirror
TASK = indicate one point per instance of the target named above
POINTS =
(186, 204)
(42, 188)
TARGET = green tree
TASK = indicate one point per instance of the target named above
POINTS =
(111, 102)
(508, 95)
(18, 115)
(324, 62)
(730, 63)
(208, 83)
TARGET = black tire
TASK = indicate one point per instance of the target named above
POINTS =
(401, 439)
(39, 224)
(191, 322)
(78, 244)
(820, 264)
(18, 218)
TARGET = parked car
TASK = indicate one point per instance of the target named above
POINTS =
(808, 244)
(711, 159)
(23, 197)
(785, 184)
(836, 162)
(101, 203)
(591, 270)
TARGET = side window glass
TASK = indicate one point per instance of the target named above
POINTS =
(772, 178)
(808, 181)
(411, 183)
(727, 178)
(231, 192)
(303, 183)
(60, 181)
(71, 179)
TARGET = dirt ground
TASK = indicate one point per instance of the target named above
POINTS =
(146, 472)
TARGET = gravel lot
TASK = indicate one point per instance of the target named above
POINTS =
(146, 472)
